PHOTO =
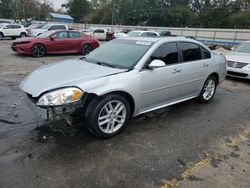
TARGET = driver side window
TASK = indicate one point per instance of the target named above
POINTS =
(168, 53)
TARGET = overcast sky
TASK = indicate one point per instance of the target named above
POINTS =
(57, 3)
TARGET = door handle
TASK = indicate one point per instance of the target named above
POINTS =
(205, 65)
(176, 71)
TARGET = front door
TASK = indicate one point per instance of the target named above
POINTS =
(160, 85)
(58, 43)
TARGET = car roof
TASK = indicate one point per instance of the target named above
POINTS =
(162, 39)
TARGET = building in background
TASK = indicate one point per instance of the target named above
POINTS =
(55, 17)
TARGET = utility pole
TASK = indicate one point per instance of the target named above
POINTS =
(113, 12)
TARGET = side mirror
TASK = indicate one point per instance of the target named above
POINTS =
(156, 64)
(52, 37)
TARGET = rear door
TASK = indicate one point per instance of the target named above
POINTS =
(75, 41)
(193, 68)
(16, 30)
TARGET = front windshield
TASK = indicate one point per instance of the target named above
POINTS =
(244, 48)
(134, 34)
(39, 26)
(45, 34)
(2, 25)
(119, 53)
(46, 26)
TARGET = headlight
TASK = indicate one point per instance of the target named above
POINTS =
(60, 97)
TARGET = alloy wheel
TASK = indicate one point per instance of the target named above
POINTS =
(112, 116)
(38, 50)
(209, 89)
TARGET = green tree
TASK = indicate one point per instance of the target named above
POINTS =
(78, 9)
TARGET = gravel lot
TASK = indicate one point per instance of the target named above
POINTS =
(187, 145)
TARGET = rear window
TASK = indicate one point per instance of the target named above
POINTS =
(74, 35)
(190, 51)
(99, 31)
(206, 53)
(57, 27)
(134, 34)
(16, 26)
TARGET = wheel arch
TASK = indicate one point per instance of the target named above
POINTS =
(40, 44)
(216, 76)
(92, 96)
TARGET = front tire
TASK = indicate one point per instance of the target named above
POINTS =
(107, 116)
(38, 50)
(86, 49)
(1, 36)
(208, 90)
(22, 35)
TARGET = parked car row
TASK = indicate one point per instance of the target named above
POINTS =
(138, 72)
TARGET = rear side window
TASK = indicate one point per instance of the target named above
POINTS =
(57, 27)
(167, 53)
(190, 51)
(206, 53)
(16, 26)
(152, 34)
(99, 31)
(74, 35)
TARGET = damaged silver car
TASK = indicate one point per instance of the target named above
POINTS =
(127, 77)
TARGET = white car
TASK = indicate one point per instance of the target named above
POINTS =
(238, 61)
(12, 30)
(138, 33)
(101, 33)
(47, 27)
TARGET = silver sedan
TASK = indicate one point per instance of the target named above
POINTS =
(125, 78)
(239, 61)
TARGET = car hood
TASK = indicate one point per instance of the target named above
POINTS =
(64, 74)
(24, 39)
(238, 57)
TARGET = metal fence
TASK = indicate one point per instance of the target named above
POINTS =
(213, 36)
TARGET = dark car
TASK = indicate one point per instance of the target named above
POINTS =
(55, 42)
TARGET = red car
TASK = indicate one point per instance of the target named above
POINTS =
(55, 42)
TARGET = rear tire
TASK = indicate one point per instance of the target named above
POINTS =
(208, 90)
(107, 116)
(38, 50)
(22, 35)
(86, 49)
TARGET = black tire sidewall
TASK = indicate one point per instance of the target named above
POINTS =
(201, 98)
(83, 53)
(94, 109)
(1, 36)
(23, 35)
